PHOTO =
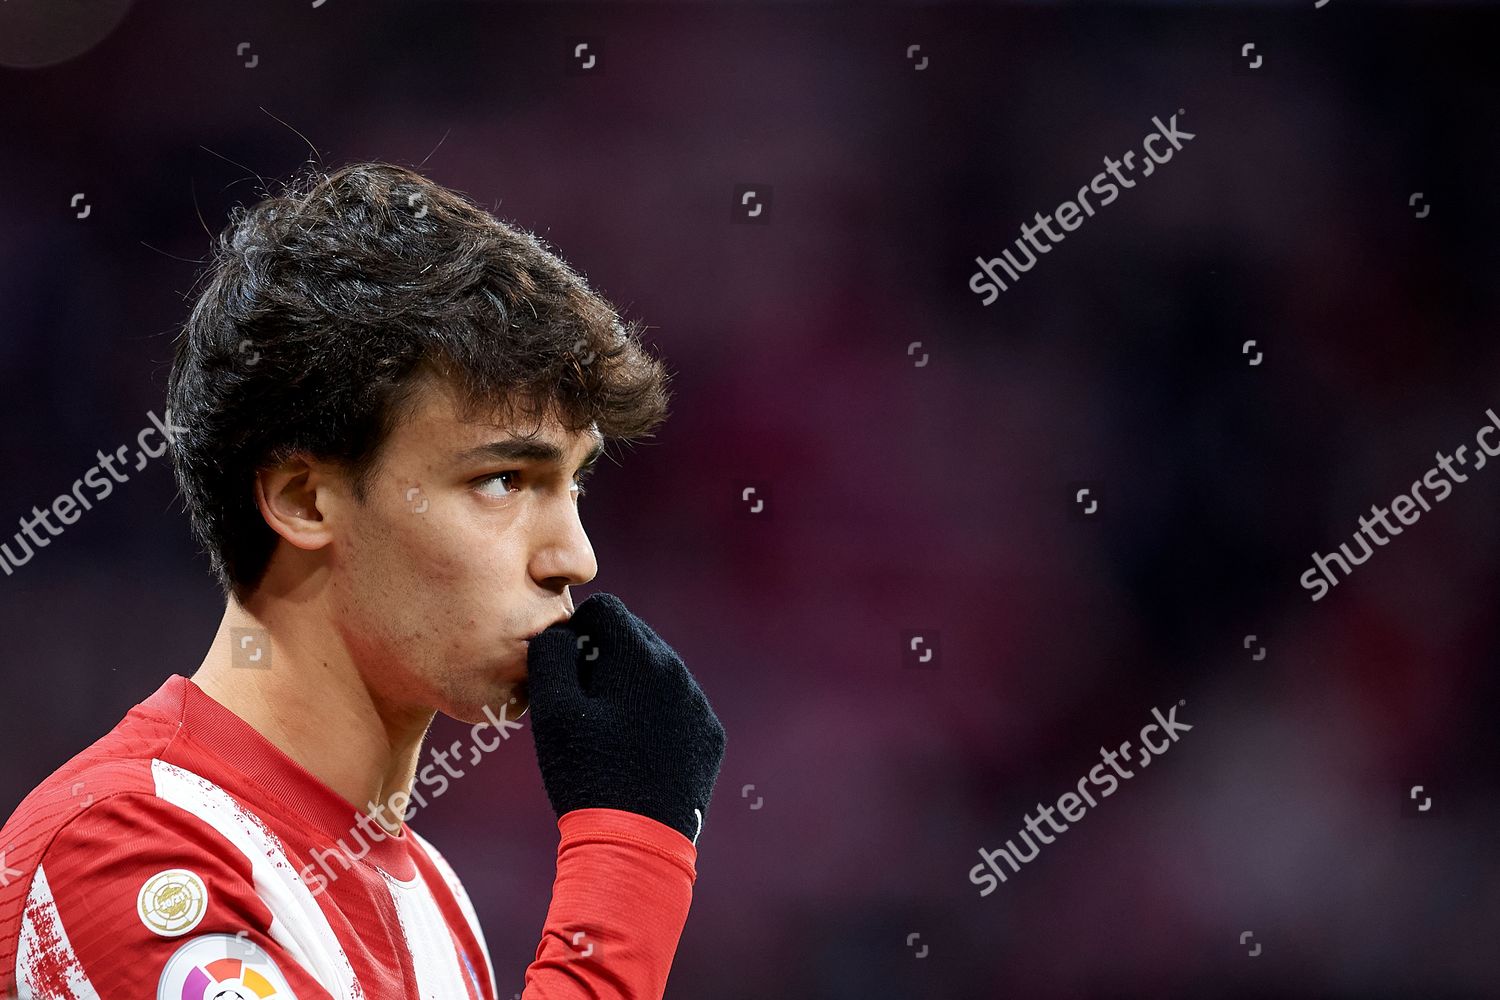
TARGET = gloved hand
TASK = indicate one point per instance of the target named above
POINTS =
(620, 723)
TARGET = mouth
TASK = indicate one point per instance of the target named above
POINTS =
(556, 621)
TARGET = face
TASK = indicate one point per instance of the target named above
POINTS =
(466, 544)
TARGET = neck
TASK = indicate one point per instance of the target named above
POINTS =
(312, 702)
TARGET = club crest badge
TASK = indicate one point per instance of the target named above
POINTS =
(221, 967)
(172, 902)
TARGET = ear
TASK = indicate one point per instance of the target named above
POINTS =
(294, 497)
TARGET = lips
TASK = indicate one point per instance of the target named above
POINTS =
(545, 627)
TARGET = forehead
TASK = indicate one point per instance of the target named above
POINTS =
(438, 417)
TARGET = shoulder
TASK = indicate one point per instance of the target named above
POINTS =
(119, 762)
(140, 886)
(106, 801)
(103, 856)
(116, 841)
(74, 791)
(95, 836)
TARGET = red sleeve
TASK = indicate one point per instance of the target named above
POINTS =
(136, 898)
(623, 888)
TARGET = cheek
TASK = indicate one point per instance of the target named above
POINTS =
(452, 580)
(395, 568)
(448, 556)
(447, 561)
(432, 604)
(372, 591)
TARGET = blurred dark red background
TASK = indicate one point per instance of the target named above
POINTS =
(901, 498)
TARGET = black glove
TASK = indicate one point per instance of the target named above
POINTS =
(619, 722)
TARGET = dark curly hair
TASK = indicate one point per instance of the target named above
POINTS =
(327, 304)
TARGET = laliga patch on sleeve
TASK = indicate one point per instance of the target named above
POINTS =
(221, 967)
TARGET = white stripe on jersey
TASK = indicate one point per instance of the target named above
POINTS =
(428, 939)
(451, 877)
(43, 941)
(297, 922)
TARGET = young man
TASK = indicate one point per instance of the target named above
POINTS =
(385, 402)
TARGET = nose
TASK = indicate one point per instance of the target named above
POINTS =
(563, 556)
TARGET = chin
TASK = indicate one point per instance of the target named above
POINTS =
(469, 704)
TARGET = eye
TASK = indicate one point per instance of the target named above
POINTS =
(497, 477)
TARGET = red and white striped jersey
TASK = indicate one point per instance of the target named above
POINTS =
(184, 856)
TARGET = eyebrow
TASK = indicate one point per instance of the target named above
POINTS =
(529, 450)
